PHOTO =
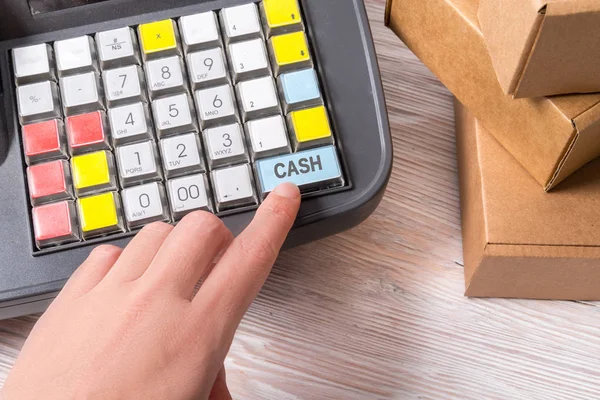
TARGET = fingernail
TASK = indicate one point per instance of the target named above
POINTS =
(287, 190)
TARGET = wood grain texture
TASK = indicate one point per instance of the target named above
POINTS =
(378, 312)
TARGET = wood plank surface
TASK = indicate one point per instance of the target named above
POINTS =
(378, 312)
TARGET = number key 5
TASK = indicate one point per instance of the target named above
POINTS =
(172, 115)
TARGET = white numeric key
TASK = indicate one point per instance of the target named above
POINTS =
(137, 163)
(207, 68)
(225, 145)
(258, 98)
(117, 47)
(234, 187)
(165, 76)
(130, 123)
(34, 64)
(199, 31)
(81, 93)
(181, 155)
(74, 56)
(240, 22)
(172, 115)
(249, 59)
(215, 106)
(145, 204)
(123, 85)
(38, 101)
(188, 194)
(268, 137)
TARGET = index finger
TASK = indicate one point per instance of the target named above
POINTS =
(237, 278)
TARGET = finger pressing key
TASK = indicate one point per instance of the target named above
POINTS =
(237, 278)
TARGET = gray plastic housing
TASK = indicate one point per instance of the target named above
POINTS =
(344, 52)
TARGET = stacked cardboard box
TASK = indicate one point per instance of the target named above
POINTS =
(518, 240)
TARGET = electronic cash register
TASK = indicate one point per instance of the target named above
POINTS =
(118, 113)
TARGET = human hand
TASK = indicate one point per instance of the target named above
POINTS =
(128, 325)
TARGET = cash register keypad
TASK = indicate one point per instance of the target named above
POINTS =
(147, 123)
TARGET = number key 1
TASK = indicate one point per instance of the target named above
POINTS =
(137, 163)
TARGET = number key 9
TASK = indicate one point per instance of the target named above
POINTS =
(207, 68)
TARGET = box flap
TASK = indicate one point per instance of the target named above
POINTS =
(510, 40)
(565, 55)
(540, 133)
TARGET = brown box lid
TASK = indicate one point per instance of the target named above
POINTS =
(517, 240)
(543, 47)
(551, 137)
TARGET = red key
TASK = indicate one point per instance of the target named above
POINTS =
(86, 132)
(44, 141)
(55, 224)
(49, 182)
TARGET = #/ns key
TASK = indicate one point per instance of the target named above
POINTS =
(310, 170)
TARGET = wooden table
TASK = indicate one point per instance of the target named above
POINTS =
(378, 312)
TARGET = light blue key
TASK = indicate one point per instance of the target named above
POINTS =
(309, 170)
(300, 89)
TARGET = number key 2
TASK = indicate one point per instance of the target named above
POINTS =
(181, 155)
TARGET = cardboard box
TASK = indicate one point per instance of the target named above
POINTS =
(551, 137)
(543, 47)
(519, 241)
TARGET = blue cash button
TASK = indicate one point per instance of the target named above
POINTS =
(310, 170)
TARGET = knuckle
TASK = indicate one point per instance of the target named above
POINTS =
(280, 210)
(104, 250)
(158, 227)
(211, 224)
(258, 249)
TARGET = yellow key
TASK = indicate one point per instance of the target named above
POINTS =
(311, 127)
(290, 51)
(99, 214)
(93, 171)
(282, 16)
(158, 37)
